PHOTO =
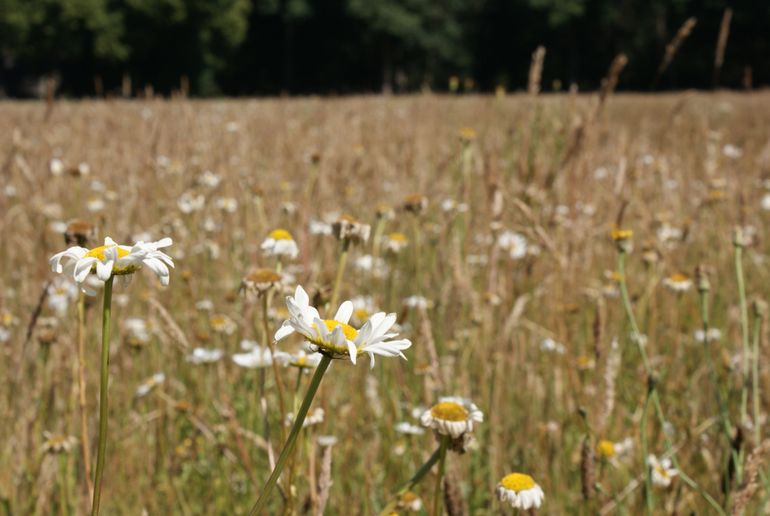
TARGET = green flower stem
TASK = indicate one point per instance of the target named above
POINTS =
(276, 372)
(755, 380)
(744, 330)
(650, 505)
(416, 478)
(724, 416)
(84, 440)
(653, 393)
(103, 386)
(440, 476)
(259, 506)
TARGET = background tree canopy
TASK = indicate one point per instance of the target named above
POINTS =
(246, 47)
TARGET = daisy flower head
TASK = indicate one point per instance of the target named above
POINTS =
(713, 334)
(396, 242)
(280, 243)
(622, 238)
(415, 203)
(350, 231)
(521, 491)
(335, 338)
(663, 472)
(405, 427)
(205, 356)
(259, 281)
(677, 283)
(452, 416)
(301, 359)
(256, 357)
(607, 449)
(147, 386)
(58, 443)
(409, 501)
(113, 259)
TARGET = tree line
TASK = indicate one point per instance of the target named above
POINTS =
(257, 47)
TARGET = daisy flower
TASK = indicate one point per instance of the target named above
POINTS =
(335, 337)
(112, 259)
(396, 242)
(453, 416)
(137, 331)
(520, 491)
(677, 282)
(712, 335)
(314, 417)
(60, 293)
(348, 229)
(608, 449)
(221, 323)
(259, 281)
(205, 356)
(280, 243)
(300, 359)
(663, 472)
(57, 443)
(256, 357)
(405, 427)
(147, 386)
(409, 501)
(514, 243)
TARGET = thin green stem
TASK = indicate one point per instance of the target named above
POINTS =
(755, 380)
(645, 453)
(440, 475)
(291, 441)
(84, 440)
(103, 400)
(416, 478)
(724, 416)
(653, 393)
(744, 330)
(276, 372)
(340, 273)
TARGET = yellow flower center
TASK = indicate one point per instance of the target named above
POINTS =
(517, 482)
(621, 234)
(300, 361)
(397, 237)
(280, 234)
(259, 276)
(449, 411)
(98, 252)
(349, 332)
(361, 314)
(678, 278)
(661, 471)
(605, 448)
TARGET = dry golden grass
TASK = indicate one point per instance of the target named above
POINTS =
(558, 170)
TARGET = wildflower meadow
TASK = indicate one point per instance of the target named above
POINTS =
(422, 304)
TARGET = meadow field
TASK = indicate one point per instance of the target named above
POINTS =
(550, 258)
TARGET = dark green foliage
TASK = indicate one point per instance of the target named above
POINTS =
(305, 46)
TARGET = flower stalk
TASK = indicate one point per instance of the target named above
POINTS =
(103, 396)
(291, 441)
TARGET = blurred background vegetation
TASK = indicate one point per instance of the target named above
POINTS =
(247, 47)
